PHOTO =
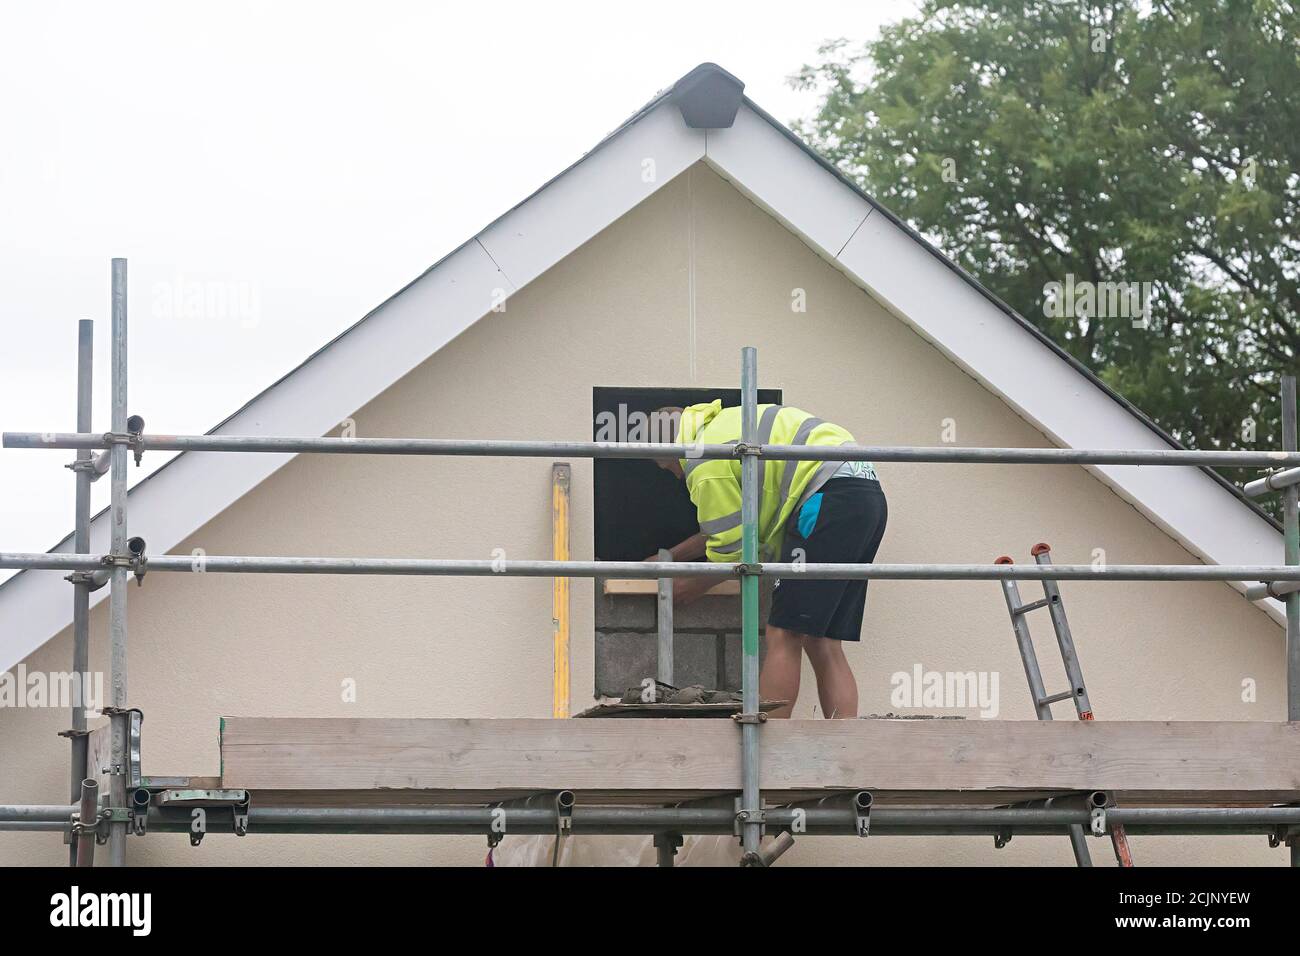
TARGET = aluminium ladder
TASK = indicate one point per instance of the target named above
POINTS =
(1078, 692)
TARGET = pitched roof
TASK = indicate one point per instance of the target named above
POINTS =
(782, 175)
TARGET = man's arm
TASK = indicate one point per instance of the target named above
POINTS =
(687, 589)
(692, 549)
(717, 503)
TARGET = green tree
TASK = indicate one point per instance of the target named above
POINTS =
(1112, 141)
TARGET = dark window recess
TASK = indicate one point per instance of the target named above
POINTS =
(639, 507)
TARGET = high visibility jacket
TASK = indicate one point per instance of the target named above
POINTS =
(714, 484)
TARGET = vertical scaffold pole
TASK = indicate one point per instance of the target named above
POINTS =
(664, 621)
(81, 545)
(119, 581)
(751, 804)
(87, 818)
(1291, 532)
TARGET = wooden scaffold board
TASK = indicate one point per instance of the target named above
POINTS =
(1239, 763)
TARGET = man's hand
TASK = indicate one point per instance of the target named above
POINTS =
(692, 549)
(687, 589)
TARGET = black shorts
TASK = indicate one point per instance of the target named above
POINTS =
(841, 524)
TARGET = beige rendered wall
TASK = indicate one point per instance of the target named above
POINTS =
(616, 312)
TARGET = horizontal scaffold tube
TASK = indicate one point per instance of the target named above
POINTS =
(1273, 482)
(1273, 589)
(580, 449)
(36, 813)
(379, 446)
(632, 820)
(245, 564)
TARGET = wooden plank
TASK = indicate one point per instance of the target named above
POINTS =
(662, 711)
(1241, 762)
(99, 754)
(651, 587)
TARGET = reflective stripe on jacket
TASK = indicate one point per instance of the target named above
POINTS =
(714, 484)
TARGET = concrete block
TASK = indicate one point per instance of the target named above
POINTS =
(624, 612)
(625, 658)
(732, 653)
(709, 613)
(636, 612)
(695, 659)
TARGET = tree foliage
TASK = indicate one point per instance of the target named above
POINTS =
(1108, 141)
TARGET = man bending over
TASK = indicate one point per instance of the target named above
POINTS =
(816, 512)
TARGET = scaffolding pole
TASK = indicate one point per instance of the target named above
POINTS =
(751, 806)
(118, 581)
(1275, 481)
(664, 626)
(81, 469)
(257, 564)
(1291, 532)
(824, 820)
(1170, 457)
(87, 824)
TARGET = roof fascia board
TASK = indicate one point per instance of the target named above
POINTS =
(788, 183)
(896, 268)
(574, 208)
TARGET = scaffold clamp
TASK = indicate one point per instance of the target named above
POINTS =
(750, 815)
(563, 816)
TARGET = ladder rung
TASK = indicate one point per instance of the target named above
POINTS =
(1063, 695)
(1031, 606)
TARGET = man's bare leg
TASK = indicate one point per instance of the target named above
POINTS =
(837, 688)
(781, 665)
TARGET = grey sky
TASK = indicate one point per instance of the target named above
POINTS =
(274, 171)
